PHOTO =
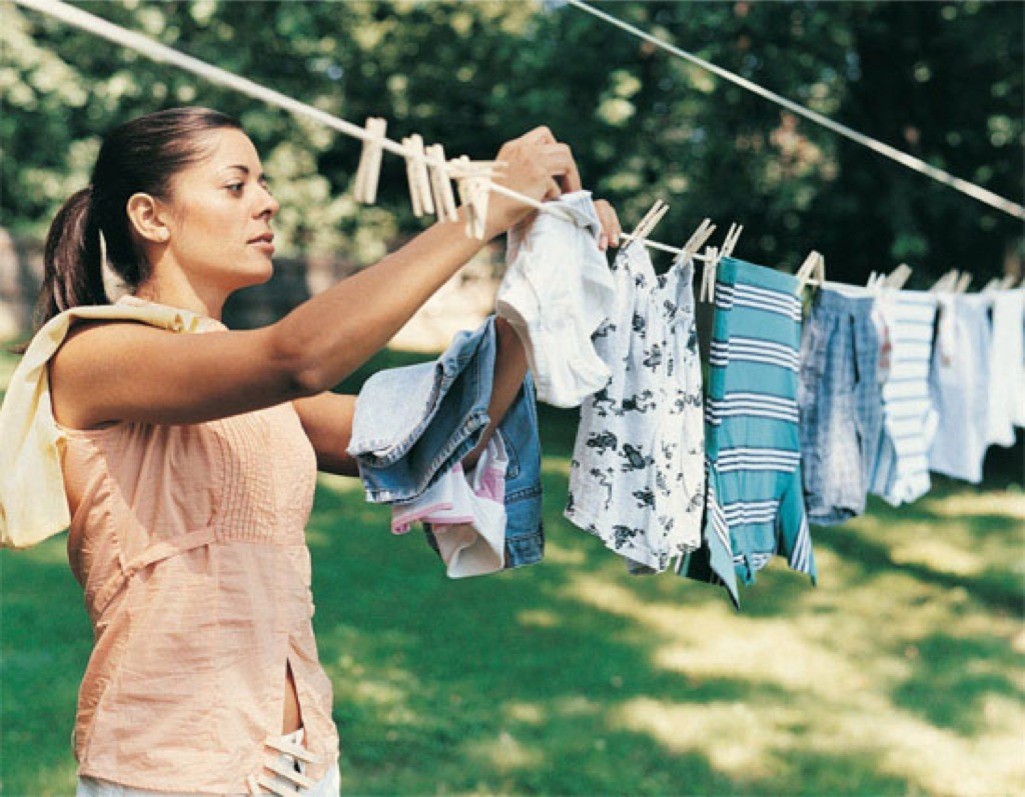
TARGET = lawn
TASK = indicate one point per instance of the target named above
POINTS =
(901, 673)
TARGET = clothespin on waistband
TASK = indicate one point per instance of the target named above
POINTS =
(647, 224)
(811, 272)
(364, 187)
(963, 282)
(417, 176)
(474, 181)
(1008, 282)
(441, 185)
(707, 292)
(898, 277)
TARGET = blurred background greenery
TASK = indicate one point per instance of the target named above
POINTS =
(940, 80)
(902, 673)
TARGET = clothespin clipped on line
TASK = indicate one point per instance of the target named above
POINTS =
(368, 172)
(1000, 283)
(898, 277)
(713, 255)
(647, 224)
(945, 283)
(474, 181)
(963, 282)
(418, 177)
(441, 185)
(811, 272)
(696, 241)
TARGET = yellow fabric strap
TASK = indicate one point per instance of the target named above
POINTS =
(33, 503)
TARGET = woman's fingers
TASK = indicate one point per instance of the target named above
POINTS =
(539, 135)
(558, 160)
(610, 227)
(554, 191)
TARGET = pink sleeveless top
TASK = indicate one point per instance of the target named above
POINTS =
(189, 541)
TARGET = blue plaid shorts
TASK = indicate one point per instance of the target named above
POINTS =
(841, 405)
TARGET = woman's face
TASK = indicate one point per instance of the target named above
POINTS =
(220, 232)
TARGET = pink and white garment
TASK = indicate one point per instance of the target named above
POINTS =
(466, 514)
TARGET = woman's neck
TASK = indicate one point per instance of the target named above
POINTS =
(185, 296)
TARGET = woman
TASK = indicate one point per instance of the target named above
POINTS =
(189, 459)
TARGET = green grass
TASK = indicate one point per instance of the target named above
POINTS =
(901, 673)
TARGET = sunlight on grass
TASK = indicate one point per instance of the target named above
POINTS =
(967, 505)
(503, 753)
(737, 739)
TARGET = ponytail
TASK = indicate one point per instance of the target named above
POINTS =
(72, 260)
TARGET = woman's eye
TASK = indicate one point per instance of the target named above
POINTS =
(236, 186)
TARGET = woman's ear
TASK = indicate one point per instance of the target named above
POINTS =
(148, 218)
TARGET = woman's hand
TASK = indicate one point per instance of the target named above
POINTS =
(539, 166)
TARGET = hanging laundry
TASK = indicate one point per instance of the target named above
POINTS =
(556, 292)
(465, 514)
(909, 418)
(1007, 367)
(841, 409)
(755, 502)
(959, 386)
(412, 425)
(637, 476)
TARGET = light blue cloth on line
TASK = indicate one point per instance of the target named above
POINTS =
(960, 386)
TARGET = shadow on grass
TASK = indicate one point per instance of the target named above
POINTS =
(954, 677)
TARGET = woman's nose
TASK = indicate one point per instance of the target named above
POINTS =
(269, 206)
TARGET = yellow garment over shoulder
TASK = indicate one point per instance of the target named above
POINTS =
(33, 503)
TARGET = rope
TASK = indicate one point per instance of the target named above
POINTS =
(903, 158)
(161, 53)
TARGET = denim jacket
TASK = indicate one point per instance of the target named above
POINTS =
(412, 424)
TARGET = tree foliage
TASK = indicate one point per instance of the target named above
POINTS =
(940, 80)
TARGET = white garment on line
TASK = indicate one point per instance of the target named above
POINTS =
(637, 477)
(556, 292)
(1007, 367)
(466, 514)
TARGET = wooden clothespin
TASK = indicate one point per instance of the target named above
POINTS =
(963, 282)
(1008, 282)
(696, 240)
(474, 181)
(707, 292)
(730, 243)
(417, 176)
(647, 224)
(946, 282)
(441, 185)
(898, 277)
(811, 272)
(369, 170)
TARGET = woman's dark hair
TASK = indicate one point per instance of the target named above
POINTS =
(142, 155)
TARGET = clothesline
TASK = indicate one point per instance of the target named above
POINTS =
(910, 161)
(162, 53)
